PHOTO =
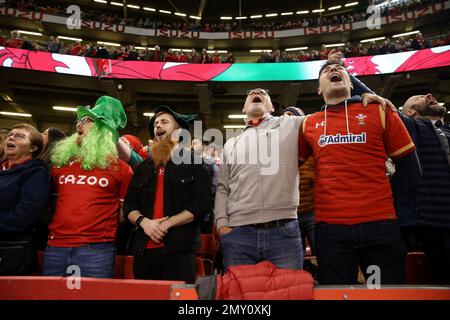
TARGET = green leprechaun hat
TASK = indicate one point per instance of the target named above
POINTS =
(108, 111)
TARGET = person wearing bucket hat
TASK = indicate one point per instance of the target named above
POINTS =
(167, 221)
(90, 182)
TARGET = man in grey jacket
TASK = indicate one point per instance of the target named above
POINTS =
(257, 192)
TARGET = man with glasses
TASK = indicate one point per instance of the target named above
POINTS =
(257, 191)
(90, 182)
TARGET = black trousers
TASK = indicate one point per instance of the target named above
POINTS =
(157, 264)
(342, 248)
(436, 243)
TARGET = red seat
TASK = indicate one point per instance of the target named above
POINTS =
(208, 252)
(418, 268)
(123, 268)
(209, 248)
(40, 256)
(200, 266)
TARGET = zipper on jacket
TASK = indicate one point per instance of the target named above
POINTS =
(259, 165)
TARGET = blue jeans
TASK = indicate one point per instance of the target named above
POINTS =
(95, 260)
(249, 245)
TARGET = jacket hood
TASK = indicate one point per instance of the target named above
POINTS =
(351, 100)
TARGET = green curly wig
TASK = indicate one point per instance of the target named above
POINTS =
(97, 149)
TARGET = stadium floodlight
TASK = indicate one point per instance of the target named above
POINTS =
(334, 8)
(334, 45)
(112, 44)
(183, 50)
(302, 12)
(405, 34)
(195, 17)
(132, 6)
(61, 108)
(70, 38)
(318, 10)
(351, 4)
(295, 49)
(118, 4)
(237, 116)
(100, 1)
(287, 13)
(373, 39)
(148, 114)
(226, 18)
(218, 51)
(257, 16)
(241, 18)
(260, 50)
(180, 14)
(149, 9)
(15, 114)
(29, 32)
(271, 15)
(165, 11)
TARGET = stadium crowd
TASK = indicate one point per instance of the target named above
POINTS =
(92, 186)
(214, 24)
(94, 50)
(83, 197)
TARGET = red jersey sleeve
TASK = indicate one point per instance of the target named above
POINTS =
(126, 174)
(396, 137)
(304, 149)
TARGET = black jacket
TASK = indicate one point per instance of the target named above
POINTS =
(186, 187)
(430, 203)
(24, 192)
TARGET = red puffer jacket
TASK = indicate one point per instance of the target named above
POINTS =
(264, 281)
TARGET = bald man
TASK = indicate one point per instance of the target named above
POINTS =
(425, 216)
(425, 107)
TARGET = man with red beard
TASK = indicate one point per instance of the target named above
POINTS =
(424, 216)
(166, 201)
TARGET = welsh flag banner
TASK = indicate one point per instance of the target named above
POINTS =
(238, 72)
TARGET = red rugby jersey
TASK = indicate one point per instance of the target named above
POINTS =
(351, 182)
(88, 203)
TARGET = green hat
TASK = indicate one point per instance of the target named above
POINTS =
(184, 120)
(108, 111)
